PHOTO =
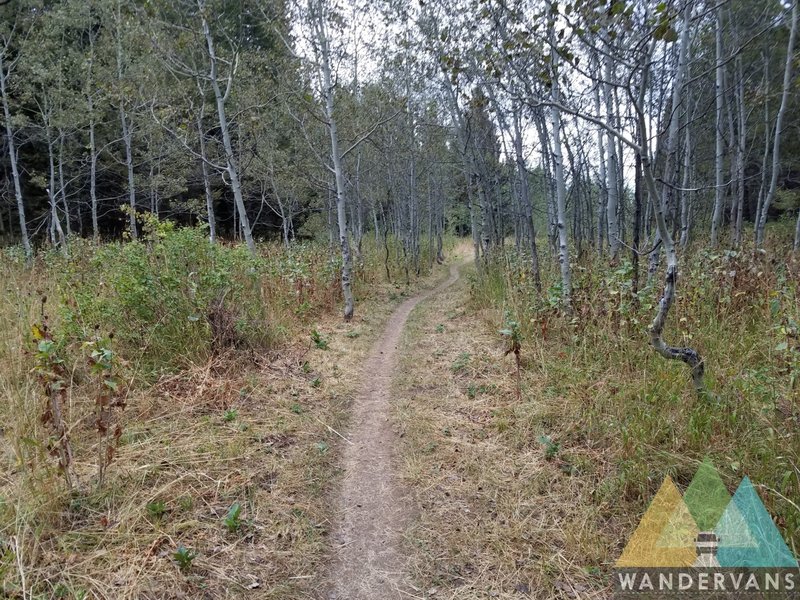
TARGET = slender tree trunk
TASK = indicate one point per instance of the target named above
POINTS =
(56, 231)
(637, 226)
(550, 193)
(611, 171)
(561, 208)
(762, 189)
(602, 197)
(687, 355)
(686, 195)
(336, 158)
(92, 142)
(671, 162)
(212, 220)
(230, 157)
(741, 149)
(719, 197)
(127, 135)
(776, 146)
(525, 200)
(127, 139)
(473, 221)
(62, 186)
(93, 171)
(12, 156)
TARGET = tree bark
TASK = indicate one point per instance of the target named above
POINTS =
(320, 28)
(230, 157)
(686, 355)
(127, 135)
(602, 199)
(12, 156)
(776, 145)
(212, 221)
(612, 189)
(62, 186)
(527, 203)
(741, 149)
(561, 208)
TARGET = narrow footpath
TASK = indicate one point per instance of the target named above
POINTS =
(372, 507)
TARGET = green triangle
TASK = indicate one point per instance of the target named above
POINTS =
(706, 497)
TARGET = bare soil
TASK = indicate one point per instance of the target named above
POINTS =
(373, 508)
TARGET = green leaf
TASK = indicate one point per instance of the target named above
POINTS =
(670, 35)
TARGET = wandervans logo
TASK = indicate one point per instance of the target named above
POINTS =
(707, 544)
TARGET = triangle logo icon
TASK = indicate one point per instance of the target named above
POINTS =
(747, 535)
(666, 522)
(707, 497)
(680, 531)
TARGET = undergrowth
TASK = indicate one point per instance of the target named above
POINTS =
(621, 416)
(211, 462)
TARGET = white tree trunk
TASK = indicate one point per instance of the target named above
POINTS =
(716, 217)
(686, 355)
(56, 231)
(319, 16)
(776, 144)
(612, 187)
(602, 200)
(741, 150)
(561, 201)
(62, 186)
(12, 155)
(127, 136)
(527, 203)
(93, 171)
(212, 221)
(230, 157)
(686, 195)
(762, 189)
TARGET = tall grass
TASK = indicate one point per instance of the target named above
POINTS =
(626, 417)
(170, 303)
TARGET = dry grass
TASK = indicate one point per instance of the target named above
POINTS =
(537, 497)
(496, 517)
(254, 428)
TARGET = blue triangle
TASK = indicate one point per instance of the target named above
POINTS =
(761, 545)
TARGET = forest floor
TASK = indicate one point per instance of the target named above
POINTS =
(497, 514)
(399, 455)
(223, 481)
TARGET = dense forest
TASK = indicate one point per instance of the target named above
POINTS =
(257, 119)
(188, 188)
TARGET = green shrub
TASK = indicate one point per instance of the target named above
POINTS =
(170, 299)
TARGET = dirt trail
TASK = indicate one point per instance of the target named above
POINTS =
(372, 510)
